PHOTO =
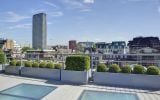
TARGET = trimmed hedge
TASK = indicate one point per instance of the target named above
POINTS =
(43, 65)
(126, 69)
(77, 63)
(58, 66)
(101, 68)
(50, 65)
(28, 64)
(138, 69)
(114, 68)
(13, 63)
(152, 70)
(35, 64)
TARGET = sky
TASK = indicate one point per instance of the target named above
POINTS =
(81, 20)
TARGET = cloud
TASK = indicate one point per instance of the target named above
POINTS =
(73, 3)
(89, 1)
(14, 17)
(28, 25)
(38, 11)
(56, 14)
(86, 10)
(51, 4)
(81, 5)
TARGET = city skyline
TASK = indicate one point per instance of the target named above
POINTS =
(81, 20)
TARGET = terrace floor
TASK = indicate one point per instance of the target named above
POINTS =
(72, 92)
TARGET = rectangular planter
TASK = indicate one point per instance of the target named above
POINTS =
(41, 73)
(79, 77)
(12, 70)
(128, 80)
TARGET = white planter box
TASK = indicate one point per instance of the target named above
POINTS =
(79, 77)
(12, 70)
(128, 80)
(41, 73)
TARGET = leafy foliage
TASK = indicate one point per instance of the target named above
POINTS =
(139, 69)
(13, 63)
(50, 65)
(152, 70)
(126, 69)
(2, 57)
(58, 66)
(77, 63)
(43, 64)
(18, 63)
(114, 68)
(101, 68)
(35, 64)
(24, 49)
(28, 64)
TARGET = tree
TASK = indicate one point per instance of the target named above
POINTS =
(2, 57)
(94, 48)
(24, 49)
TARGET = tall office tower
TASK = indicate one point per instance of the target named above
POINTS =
(39, 31)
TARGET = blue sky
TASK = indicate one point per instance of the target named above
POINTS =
(82, 20)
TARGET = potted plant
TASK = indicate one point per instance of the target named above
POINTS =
(41, 70)
(126, 77)
(76, 70)
(14, 67)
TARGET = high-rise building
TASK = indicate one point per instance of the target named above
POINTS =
(39, 31)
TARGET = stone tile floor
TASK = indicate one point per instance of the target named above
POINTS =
(70, 91)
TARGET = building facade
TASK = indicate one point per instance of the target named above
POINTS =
(6, 44)
(144, 45)
(85, 46)
(39, 31)
(72, 45)
(116, 47)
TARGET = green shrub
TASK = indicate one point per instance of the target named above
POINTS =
(35, 64)
(138, 69)
(43, 64)
(2, 57)
(126, 69)
(28, 64)
(13, 63)
(114, 68)
(101, 68)
(18, 63)
(50, 65)
(152, 70)
(77, 63)
(58, 66)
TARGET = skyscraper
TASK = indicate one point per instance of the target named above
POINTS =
(39, 31)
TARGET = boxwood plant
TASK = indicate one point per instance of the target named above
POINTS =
(152, 70)
(28, 64)
(43, 64)
(50, 65)
(35, 64)
(13, 63)
(101, 68)
(138, 69)
(114, 68)
(126, 69)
